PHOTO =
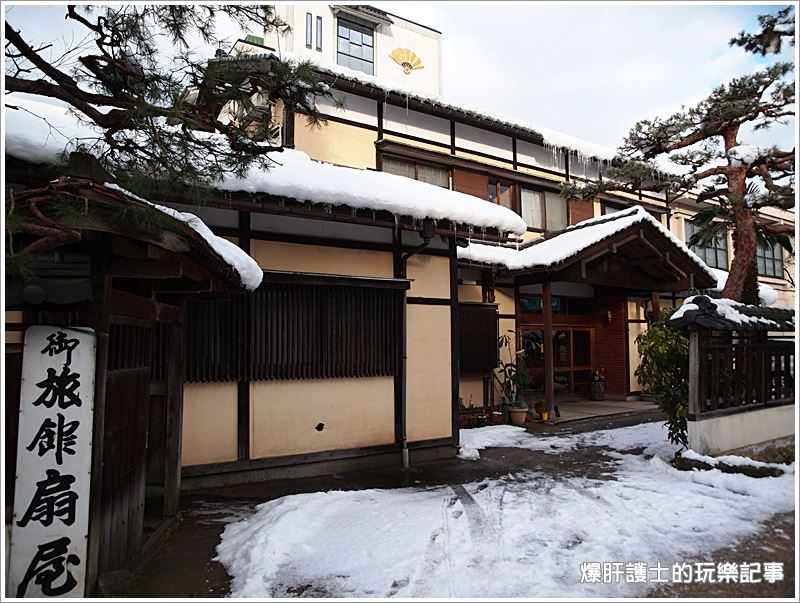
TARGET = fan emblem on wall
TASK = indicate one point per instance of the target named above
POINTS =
(407, 59)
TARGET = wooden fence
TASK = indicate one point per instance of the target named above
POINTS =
(738, 371)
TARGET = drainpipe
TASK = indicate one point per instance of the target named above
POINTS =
(428, 230)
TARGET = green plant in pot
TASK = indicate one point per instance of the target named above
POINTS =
(513, 377)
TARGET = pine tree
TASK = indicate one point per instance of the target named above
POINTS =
(704, 141)
(157, 111)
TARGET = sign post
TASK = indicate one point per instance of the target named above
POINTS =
(49, 533)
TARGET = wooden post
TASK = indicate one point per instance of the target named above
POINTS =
(694, 374)
(655, 301)
(547, 343)
(98, 316)
(173, 429)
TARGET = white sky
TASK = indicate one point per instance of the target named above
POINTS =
(587, 70)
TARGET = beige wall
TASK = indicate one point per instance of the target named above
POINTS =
(470, 293)
(428, 394)
(430, 276)
(504, 298)
(355, 413)
(273, 255)
(209, 423)
(727, 433)
(470, 390)
(336, 143)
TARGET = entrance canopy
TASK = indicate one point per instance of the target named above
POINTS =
(628, 249)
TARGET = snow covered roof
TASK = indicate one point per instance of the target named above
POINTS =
(551, 138)
(293, 175)
(553, 251)
(250, 273)
(726, 314)
(766, 293)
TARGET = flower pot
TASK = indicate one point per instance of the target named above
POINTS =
(597, 391)
(496, 418)
(518, 416)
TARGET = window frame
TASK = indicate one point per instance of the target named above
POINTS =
(772, 255)
(416, 163)
(361, 28)
(497, 182)
(543, 200)
(319, 33)
(704, 250)
(309, 27)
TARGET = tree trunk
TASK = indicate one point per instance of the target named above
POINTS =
(744, 251)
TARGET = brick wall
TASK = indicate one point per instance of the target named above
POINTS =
(611, 342)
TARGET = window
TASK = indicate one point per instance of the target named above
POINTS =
(355, 46)
(532, 208)
(543, 210)
(295, 331)
(500, 193)
(612, 208)
(769, 260)
(477, 334)
(714, 253)
(432, 174)
(309, 21)
(555, 211)
(319, 33)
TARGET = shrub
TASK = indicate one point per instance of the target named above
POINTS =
(664, 370)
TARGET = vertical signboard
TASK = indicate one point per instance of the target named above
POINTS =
(49, 532)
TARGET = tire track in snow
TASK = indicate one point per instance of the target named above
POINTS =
(479, 527)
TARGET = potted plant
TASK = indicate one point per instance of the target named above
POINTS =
(597, 389)
(512, 377)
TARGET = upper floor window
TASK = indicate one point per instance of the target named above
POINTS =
(424, 172)
(309, 33)
(543, 210)
(355, 46)
(612, 208)
(501, 193)
(714, 253)
(769, 260)
(319, 33)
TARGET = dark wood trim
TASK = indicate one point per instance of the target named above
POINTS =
(128, 304)
(428, 301)
(301, 459)
(349, 122)
(243, 420)
(288, 129)
(452, 136)
(514, 152)
(566, 166)
(174, 420)
(454, 349)
(722, 412)
(400, 376)
(99, 318)
(309, 278)
(379, 113)
(263, 235)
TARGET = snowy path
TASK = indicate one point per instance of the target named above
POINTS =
(522, 534)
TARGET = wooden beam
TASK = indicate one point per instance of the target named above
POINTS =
(655, 302)
(547, 344)
(174, 420)
(128, 304)
(128, 268)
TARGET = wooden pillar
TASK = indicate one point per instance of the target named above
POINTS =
(547, 343)
(655, 302)
(98, 317)
(173, 431)
(694, 374)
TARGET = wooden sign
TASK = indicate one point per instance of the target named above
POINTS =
(49, 532)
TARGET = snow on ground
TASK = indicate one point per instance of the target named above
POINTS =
(522, 534)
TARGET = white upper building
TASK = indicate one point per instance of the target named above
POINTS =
(363, 38)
